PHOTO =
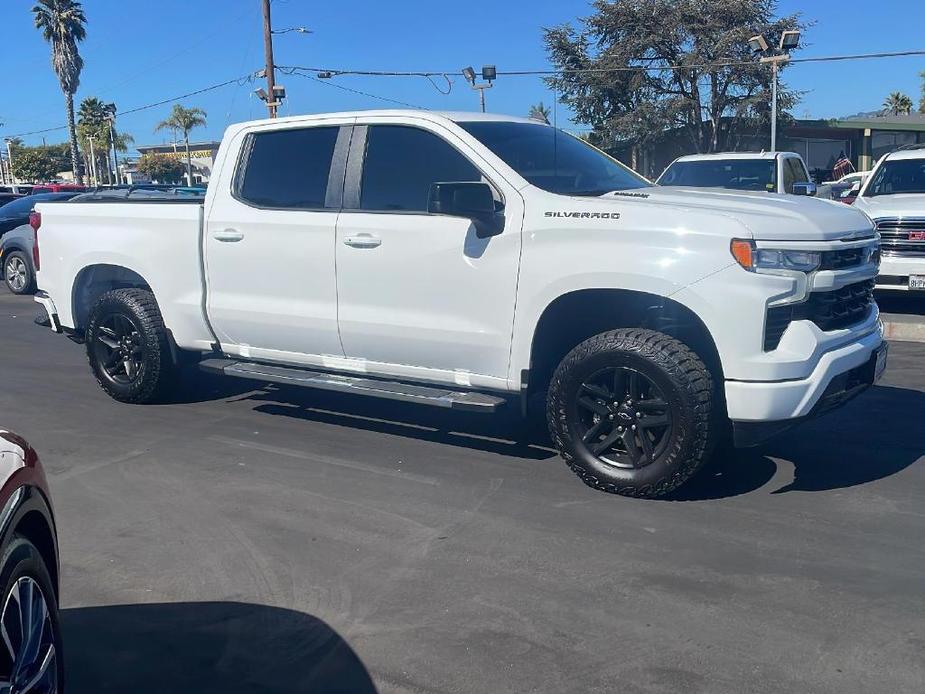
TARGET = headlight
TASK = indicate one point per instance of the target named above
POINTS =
(753, 259)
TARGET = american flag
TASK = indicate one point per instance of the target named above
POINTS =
(842, 167)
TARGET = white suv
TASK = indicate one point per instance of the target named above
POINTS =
(894, 198)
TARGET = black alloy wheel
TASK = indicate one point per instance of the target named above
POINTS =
(118, 348)
(625, 417)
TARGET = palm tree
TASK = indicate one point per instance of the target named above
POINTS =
(540, 112)
(897, 104)
(94, 119)
(63, 26)
(182, 120)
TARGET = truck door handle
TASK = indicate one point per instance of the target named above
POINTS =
(227, 235)
(363, 241)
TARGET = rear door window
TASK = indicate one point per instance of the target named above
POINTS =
(288, 169)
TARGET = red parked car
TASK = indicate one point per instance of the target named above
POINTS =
(30, 650)
(58, 188)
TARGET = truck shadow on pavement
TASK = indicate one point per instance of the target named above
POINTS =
(505, 432)
(872, 437)
(225, 647)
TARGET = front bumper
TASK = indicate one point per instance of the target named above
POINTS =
(895, 271)
(841, 389)
(774, 401)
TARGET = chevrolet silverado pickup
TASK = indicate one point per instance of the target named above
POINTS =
(473, 261)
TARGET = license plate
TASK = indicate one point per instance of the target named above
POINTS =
(916, 281)
(881, 362)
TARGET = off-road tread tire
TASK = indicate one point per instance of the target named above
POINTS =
(692, 443)
(158, 376)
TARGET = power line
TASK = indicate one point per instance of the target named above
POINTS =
(237, 80)
(287, 71)
(623, 68)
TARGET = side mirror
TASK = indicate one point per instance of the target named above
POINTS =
(468, 199)
(804, 188)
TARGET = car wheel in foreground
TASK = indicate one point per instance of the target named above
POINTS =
(127, 346)
(630, 412)
(31, 661)
(17, 273)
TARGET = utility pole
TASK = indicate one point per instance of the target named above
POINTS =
(268, 51)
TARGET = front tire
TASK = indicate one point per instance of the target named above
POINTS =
(18, 274)
(630, 412)
(127, 346)
(31, 659)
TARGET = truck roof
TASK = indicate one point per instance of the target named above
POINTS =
(733, 155)
(456, 116)
(909, 153)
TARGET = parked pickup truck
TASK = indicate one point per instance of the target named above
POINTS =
(771, 172)
(894, 198)
(469, 261)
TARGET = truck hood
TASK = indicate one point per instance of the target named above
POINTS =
(905, 205)
(767, 216)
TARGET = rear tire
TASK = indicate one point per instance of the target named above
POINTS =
(128, 348)
(630, 412)
(18, 274)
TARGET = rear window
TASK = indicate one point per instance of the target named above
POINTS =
(737, 174)
(288, 169)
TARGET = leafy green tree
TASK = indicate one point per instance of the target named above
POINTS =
(63, 26)
(712, 104)
(540, 112)
(897, 104)
(183, 120)
(33, 164)
(160, 168)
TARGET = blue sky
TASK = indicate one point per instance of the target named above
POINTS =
(138, 52)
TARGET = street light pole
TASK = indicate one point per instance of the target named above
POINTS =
(773, 107)
(9, 159)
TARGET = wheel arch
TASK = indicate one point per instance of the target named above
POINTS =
(573, 317)
(92, 281)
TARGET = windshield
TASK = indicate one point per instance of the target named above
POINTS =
(553, 160)
(737, 174)
(900, 176)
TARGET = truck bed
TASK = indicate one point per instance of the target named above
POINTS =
(158, 239)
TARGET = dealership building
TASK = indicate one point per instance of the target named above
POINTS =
(201, 153)
(862, 139)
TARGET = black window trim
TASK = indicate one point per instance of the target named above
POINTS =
(356, 162)
(333, 201)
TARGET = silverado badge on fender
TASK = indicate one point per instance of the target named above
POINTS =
(585, 215)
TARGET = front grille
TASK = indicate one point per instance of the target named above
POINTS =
(838, 260)
(902, 236)
(832, 310)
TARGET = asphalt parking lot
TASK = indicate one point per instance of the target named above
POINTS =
(265, 539)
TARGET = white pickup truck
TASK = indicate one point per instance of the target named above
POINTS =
(770, 172)
(470, 260)
(893, 196)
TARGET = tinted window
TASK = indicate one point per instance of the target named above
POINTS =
(402, 163)
(900, 176)
(737, 174)
(289, 168)
(553, 160)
